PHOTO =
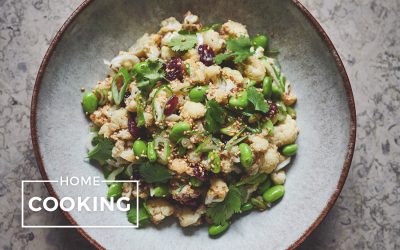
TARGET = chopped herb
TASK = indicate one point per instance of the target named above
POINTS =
(220, 212)
(238, 49)
(154, 172)
(183, 42)
(148, 73)
(215, 116)
(102, 150)
(257, 99)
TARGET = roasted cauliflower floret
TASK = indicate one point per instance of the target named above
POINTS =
(217, 192)
(188, 217)
(159, 209)
(191, 22)
(101, 115)
(234, 29)
(170, 25)
(197, 71)
(108, 129)
(278, 177)
(147, 45)
(254, 69)
(193, 110)
(285, 133)
(167, 53)
(212, 39)
(120, 118)
(233, 75)
(212, 73)
(124, 59)
(192, 55)
(179, 166)
(258, 143)
(270, 160)
(185, 194)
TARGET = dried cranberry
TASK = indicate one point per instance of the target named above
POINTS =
(206, 54)
(123, 104)
(273, 109)
(200, 172)
(174, 69)
(171, 106)
(132, 126)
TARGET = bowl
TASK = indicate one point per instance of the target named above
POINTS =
(97, 30)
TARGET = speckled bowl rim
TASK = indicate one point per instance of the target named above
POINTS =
(332, 50)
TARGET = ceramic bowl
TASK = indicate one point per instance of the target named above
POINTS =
(97, 30)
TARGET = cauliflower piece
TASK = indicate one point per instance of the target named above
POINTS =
(159, 209)
(118, 148)
(254, 69)
(217, 191)
(120, 118)
(288, 97)
(105, 84)
(193, 157)
(193, 110)
(233, 75)
(258, 144)
(167, 38)
(192, 55)
(212, 73)
(148, 119)
(170, 25)
(108, 129)
(278, 177)
(131, 104)
(227, 166)
(191, 22)
(234, 29)
(123, 134)
(101, 115)
(179, 166)
(270, 160)
(124, 59)
(188, 217)
(185, 194)
(285, 133)
(197, 71)
(128, 155)
(147, 45)
(167, 53)
(212, 38)
(259, 52)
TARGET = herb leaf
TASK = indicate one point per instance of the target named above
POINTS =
(102, 151)
(238, 48)
(215, 116)
(222, 211)
(118, 96)
(154, 172)
(132, 215)
(148, 74)
(183, 42)
(257, 99)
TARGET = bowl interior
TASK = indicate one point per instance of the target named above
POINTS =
(105, 27)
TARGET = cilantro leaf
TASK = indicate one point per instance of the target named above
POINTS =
(222, 211)
(253, 179)
(148, 73)
(154, 172)
(257, 99)
(102, 150)
(183, 42)
(215, 116)
(132, 215)
(238, 48)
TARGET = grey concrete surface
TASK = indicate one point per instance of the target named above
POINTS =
(366, 34)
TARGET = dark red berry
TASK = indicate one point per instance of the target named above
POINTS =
(171, 106)
(132, 126)
(206, 54)
(174, 69)
(200, 172)
(273, 109)
(123, 104)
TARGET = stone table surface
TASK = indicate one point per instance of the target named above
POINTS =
(366, 34)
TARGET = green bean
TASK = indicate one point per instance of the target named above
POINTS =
(290, 149)
(139, 148)
(151, 151)
(264, 187)
(215, 161)
(246, 156)
(195, 182)
(274, 193)
(89, 102)
(178, 130)
(240, 101)
(114, 190)
(246, 207)
(214, 230)
(260, 41)
(160, 190)
(198, 94)
(267, 87)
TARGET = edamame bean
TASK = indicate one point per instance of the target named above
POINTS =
(214, 230)
(160, 191)
(89, 102)
(215, 162)
(290, 149)
(258, 203)
(267, 87)
(178, 130)
(291, 112)
(246, 156)
(240, 101)
(246, 207)
(260, 41)
(151, 151)
(139, 148)
(276, 91)
(264, 187)
(114, 190)
(195, 182)
(274, 193)
(197, 94)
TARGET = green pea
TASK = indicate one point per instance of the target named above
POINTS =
(274, 193)
(139, 148)
(260, 41)
(195, 182)
(246, 156)
(114, 190)
(289, 150)
(240, 101)
(198, 94)
(160, 190)
(267, 87)
(151, 151)
(247, 207)
(276, 91)
(178, 130)
(264, 187)
(89, 102)
(215, 161)
(214, 230)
